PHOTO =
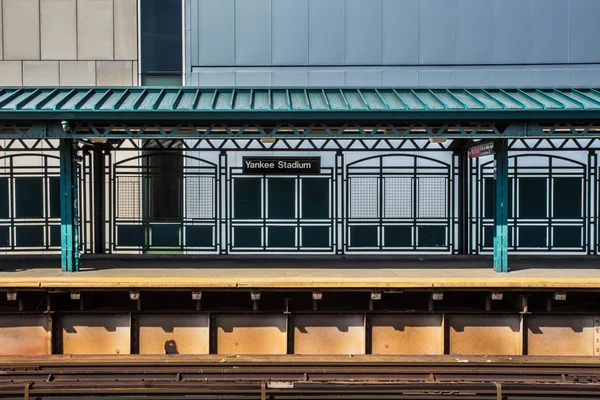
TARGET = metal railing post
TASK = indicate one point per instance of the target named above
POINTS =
(501, 206)
(68, 207)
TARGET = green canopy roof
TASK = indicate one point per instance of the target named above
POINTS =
(295, 103)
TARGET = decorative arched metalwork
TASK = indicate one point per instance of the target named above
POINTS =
(400, 204)
(549, 208)
(29, 203)
(282, 213)
(165, 202)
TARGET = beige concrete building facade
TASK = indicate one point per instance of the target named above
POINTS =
(68, 43)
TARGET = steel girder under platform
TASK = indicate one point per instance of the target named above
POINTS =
(104, 317)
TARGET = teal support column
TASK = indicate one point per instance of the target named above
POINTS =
(501, 206)
(69, 231)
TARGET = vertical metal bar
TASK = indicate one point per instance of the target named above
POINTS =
(463, 196)
(68, 209)
(501, 207)
(98, 185)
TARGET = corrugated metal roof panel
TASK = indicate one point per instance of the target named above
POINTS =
(280, 100)
(275, 100)
(262, 100)
(317, 99)
(299, 100)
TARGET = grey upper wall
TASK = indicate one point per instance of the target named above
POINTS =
(260, 36)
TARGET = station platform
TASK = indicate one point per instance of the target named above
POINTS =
(184, 273)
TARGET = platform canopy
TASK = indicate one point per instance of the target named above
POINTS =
(296, 103)
(286, 113)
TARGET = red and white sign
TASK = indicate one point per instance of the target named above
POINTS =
(480, 150)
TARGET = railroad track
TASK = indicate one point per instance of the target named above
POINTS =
(297, 377)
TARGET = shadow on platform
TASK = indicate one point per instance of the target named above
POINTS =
(99, 263)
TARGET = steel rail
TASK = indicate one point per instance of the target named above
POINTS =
(298, 377)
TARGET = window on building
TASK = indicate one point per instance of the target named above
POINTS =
(161, 58)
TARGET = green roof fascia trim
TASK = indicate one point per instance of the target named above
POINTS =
(175, 103)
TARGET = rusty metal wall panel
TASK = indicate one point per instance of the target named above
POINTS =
(485, 334)
(25, 335)
(180, 334)
(407, 334)
(329, 334)
(251, 334)
(560, 335)
(96, 334)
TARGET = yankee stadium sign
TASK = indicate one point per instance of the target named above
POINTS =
(281, 165)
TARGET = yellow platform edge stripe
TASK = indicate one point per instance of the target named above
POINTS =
(299, 283)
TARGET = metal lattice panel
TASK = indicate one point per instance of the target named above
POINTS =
(364, 195)
(129, 193)
(398, 197)
(199, 197)
(432, 197)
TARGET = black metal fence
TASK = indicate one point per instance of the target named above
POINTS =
(177, 200)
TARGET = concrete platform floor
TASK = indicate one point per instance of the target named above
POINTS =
(171, 273)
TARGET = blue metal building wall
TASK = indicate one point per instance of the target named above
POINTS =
(392, 42)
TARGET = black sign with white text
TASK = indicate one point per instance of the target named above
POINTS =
(281, 165)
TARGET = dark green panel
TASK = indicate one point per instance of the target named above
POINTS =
(281, 236)
(4, 197)
(567, 198)
(4, 236)
(532, 236)
(165, 235)
(431, 236)
(488, 236)
(397, 236)
(165, 185)
(54, 197)
(567, 236)
(532, 198)
(315, 198)
(29, 197)
(247, 236)
(131, 235)
(30, 236)
(199, 236)
(55, 235)
(247, 198)
(363, 236)
(488, 197)
(282, 198)
(316, 236)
